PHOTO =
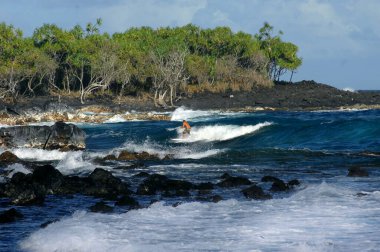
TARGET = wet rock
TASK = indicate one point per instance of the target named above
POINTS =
(205, 186)
(101, 207)
(127, 201)
(270, 179)
(104, 184)
(8, 157)
(60, 136)
(230, 181)
(131, 156)
(128, 156)
(177, 204)
(225, 176)
(10, 215)
(256, 192)
(23, 190)
(279, 186)
(110, 157)
(74, 184)
(48, 176)
(293, 183)
(357, 172)
(141, 175)
(156, 182)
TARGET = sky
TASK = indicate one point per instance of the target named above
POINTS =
(338, 40)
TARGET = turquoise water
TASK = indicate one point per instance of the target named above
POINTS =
(324, 214)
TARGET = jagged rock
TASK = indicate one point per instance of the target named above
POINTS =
(60, 136)
(101, 207)
(131, 156)
(357, 172)
(141, 175)
(230, 181)
(205, 186)
(10, 215)
(157, 182)
(270, 179)
(127, 201)
(22, 190)
(104, 184)
(256, 192)
(110, 157)
(225, 175)
(279, 186)
(8, 157)
(294, 182)
(48, 176)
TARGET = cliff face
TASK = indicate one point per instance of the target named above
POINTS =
(60, 136)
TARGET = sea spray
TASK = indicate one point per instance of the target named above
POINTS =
(212, 133)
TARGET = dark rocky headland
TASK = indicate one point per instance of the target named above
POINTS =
(304, 95)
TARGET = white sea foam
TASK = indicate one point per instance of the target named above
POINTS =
(183, 113)
(219, 132)
(14, 168)
(39, 154)
(116, 119)
(319, 218)
(75, 162)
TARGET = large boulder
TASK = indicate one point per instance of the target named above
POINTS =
(23, 190)
(159, 183)
(8, 157)
(256, 192)
(60, 136)
(10, 215)
(230, 181)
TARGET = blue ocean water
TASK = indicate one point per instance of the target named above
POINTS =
(327, 212)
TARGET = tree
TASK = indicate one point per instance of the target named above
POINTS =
(12, 61)
(169, 74)
(282, 56)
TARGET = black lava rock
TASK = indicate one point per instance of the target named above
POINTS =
(256, 192)
(279, 186)
(101, 207)
(10, 215)
(230, 181)
(127, 201)
(156, 182)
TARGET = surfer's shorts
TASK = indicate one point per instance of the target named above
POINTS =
(186, 131)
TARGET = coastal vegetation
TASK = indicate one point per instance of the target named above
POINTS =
(162, 64)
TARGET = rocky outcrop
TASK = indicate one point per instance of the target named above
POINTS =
(133, 156)
(230, 181)
(10, 215)
(8, 157)
(256, 192)
(279, 185)
(60, 136)
(32, 188)
(160, 183)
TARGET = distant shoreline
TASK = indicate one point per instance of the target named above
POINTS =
(301, 96)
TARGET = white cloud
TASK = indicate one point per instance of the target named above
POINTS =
(149, 13)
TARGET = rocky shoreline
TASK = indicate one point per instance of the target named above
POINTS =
(301, 96)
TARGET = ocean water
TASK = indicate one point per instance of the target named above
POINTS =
(327, 212)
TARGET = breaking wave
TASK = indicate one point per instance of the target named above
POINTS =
(219, 132)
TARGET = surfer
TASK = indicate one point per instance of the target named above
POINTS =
(186, 127)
